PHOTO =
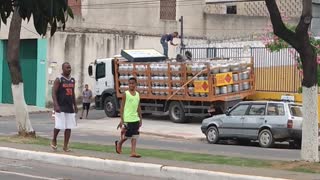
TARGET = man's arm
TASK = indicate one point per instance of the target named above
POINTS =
(54, 95)
(122, 109)
(140, 114)
(74, 100)
(171, 42)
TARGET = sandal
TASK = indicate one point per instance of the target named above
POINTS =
(66, 150)
(116, 146)
(54, 147)
(135, 156)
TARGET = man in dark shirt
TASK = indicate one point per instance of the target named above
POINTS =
(64, 106)
(168, 38)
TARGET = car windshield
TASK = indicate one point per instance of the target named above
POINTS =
(295, 110)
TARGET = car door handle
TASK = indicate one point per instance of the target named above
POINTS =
(106, 83)
(242, 118)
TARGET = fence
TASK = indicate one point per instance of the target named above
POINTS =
(274, 71)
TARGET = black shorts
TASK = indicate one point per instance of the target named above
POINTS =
(132, 129)
(86, 106)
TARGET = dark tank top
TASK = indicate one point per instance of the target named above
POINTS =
(65, 94)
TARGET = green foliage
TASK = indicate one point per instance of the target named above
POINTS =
(44, 12)
(277, 44)
(5, 10)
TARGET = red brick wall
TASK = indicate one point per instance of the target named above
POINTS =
(75, 6)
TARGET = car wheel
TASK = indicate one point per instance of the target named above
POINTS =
(266, 139)
(212, 135)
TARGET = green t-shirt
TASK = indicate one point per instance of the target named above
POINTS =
(130, 113)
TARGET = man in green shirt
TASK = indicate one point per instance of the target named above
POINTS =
(131, 118)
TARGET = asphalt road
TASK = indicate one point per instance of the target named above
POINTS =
(33, 170)
(44, 125)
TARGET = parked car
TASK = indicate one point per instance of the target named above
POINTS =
(265, 121)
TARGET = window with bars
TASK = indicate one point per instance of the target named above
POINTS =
(168, 9)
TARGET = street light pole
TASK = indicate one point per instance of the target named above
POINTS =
(181, 34)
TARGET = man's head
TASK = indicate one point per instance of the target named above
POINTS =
(66, 69)
(132, 83)
(86, 86)
(175, 34)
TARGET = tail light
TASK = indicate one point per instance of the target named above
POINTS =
(289, 124)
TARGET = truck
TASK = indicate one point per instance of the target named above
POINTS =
(178, 89)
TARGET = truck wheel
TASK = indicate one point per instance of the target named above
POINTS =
(266, 139)
(176, 112)
(110, 107)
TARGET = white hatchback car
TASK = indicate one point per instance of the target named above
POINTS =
(265, 121)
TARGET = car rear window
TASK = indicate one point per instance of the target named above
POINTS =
(295, 110)
(275, 109)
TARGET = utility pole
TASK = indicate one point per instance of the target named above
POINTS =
(181, 34)
(315, 24)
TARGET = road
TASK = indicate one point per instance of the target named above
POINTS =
(44, 125)
(33, 170)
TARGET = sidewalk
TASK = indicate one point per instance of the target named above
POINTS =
(8, 109)
(234, 170)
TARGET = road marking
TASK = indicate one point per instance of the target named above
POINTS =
(27, 175)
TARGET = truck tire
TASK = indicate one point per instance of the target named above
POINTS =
(110, 107)
(176, 112)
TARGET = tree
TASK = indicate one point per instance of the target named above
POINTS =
(300, 41)
(44, 13)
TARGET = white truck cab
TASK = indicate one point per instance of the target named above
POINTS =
(102, 71)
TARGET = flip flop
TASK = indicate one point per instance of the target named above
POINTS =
(135, 156)
(54, 147)
(116, 146)
(67, 150)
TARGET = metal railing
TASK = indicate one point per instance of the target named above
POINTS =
(274, 71)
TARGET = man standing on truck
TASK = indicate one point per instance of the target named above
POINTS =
(168, 38)
(86, 100)
(64, 106)
(131, 118)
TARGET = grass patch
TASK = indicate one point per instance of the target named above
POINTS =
(179, 156)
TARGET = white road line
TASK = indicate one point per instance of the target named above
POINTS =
(27, 175)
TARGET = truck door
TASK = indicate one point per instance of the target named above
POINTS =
(104, 77)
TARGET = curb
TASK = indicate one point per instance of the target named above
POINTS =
(140, 169)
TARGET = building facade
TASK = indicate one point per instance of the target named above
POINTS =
(102, 28)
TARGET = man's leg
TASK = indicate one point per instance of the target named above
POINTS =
(67, 134)
(120, 143)
(83, 108)
(88, 107)
(133, 146)
(165, 49)
(55, 135)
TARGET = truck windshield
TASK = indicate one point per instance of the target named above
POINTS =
(295, 110)
(100, 70)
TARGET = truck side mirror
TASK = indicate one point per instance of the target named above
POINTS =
(90, 70)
